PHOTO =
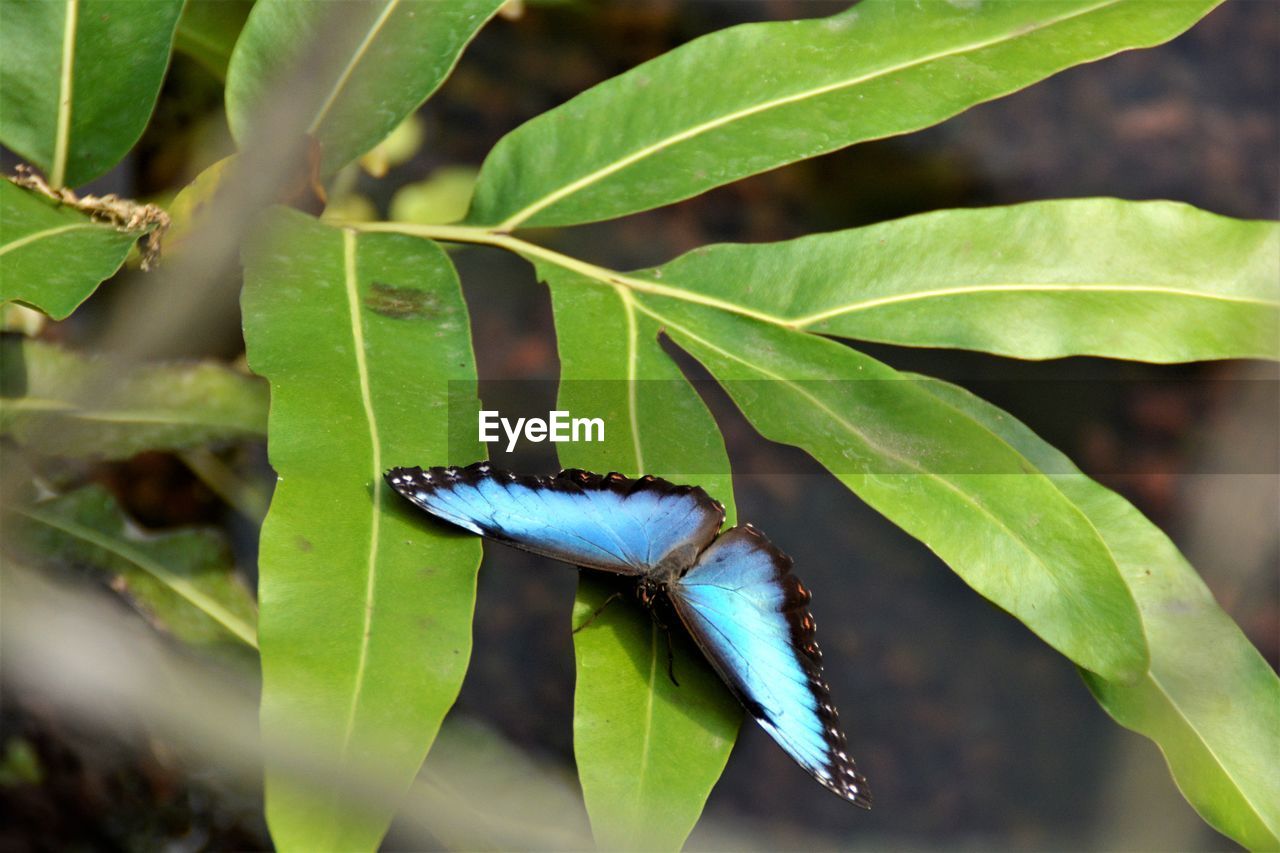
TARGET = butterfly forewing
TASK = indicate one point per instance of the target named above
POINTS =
(604, 522)
(749, 615)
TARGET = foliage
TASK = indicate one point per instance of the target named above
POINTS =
(360, 329)
(180, 580)
(48, 405)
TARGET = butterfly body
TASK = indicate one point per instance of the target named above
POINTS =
(733, 590)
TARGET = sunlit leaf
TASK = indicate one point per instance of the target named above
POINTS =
(59, 402)
(182, 580)
(648, 751)
(1154, 281)
(758, 96)
(374, 62)
(366, 608)
(1210, 701)
(79, 79)
(943, 477)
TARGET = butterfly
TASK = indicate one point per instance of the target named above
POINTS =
(733, 590)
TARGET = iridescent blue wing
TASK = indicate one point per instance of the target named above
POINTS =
(611, 522)
(748, 614)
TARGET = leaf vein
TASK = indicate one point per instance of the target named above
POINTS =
(351, 284)
(62, 131)
(355, 60)
(941, 292)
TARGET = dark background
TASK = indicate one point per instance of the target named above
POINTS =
(972, 732)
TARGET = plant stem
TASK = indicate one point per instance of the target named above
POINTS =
(531, 251)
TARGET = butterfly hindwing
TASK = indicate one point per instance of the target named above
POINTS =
(749, 615)
(604, 522)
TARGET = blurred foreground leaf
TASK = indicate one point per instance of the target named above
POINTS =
(62, 403)
(53, 257)
(380, 60)
(78, 81)
(366, 606)
(490, 795)
(648, 751)
(1210, 701)
(441, 198)
(183, 581)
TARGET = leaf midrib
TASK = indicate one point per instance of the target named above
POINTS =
(339, 84)
(351, 286)
(34, 236)
(633, 347)
(1253, 808)
(645, 745)
(530, 210)
(62, 129)
(1017, 287)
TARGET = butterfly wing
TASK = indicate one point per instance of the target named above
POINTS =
(748, 614)
(604, 522)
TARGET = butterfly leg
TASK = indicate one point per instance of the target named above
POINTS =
(671, 654)
(671, 659)
(598, 611)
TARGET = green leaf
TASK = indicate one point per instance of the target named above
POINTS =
(207, 32)
(1210, 701)
(366, 609)
(648, 751)
(700, 116)
(1153, 281)
(53, 257)
(79, 80)
(61, 403)
(371, 63)
(183, 580)
(942, 476)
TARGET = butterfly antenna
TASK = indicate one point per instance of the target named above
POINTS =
(599, 610)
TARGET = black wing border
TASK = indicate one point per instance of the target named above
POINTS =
(407, 480)
(845, 780)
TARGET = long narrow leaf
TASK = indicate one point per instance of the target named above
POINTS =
(365, 609)
(61, 403)
(648, 751)
(1210, 701)
(1154, 281)
(758, 96)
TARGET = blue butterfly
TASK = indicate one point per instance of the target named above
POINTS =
(733, 591)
